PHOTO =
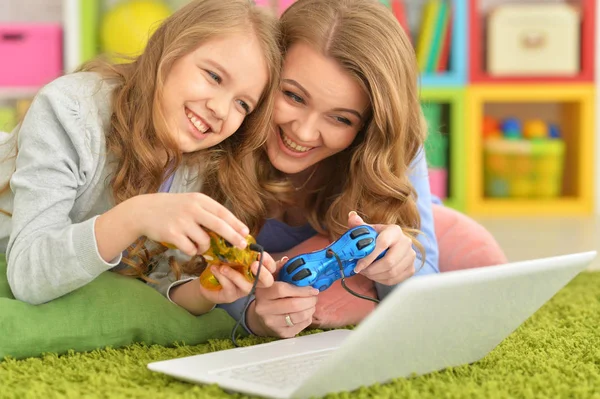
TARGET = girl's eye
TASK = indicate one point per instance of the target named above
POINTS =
(214, 76)
(293, 97)
(245, 106)
(343, 120)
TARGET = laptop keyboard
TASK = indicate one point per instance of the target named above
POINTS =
(287, 371)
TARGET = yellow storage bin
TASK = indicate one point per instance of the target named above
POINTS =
(523, 168)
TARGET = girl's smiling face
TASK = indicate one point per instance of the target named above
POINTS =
(209, 92)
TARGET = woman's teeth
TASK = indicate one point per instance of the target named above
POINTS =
(293, 146)
(202, 128)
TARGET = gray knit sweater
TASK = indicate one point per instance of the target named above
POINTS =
(59, 187)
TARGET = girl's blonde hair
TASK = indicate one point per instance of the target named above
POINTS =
(138, 135)
(371, 175)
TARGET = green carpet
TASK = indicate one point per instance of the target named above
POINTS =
(555, 354)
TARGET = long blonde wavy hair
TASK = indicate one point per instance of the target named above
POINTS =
(371, 175)
(138, 135)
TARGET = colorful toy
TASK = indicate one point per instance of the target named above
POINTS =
(554, 131)
(321, 268)
(491, 126)
(535, 129)
(511, 128)
(125, 29)
(222, 252)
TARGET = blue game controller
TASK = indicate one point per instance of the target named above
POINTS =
(320, 269)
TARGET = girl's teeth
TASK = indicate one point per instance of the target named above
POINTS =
(202, 128)
(296, 147)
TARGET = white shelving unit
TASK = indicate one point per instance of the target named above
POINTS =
(68, 12)
(71, 34)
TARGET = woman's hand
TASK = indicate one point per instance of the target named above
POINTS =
(181, 220)
(282, 310)
(397, 264)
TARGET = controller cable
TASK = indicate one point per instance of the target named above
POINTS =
(261, 251)
(341, 266)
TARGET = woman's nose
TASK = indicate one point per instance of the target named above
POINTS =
(306, 128)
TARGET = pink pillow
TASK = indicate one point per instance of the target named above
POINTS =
(463, 244)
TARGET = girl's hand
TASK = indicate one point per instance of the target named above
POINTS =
(197, 300)
(234, 284)
(397, 264)
(180, 220)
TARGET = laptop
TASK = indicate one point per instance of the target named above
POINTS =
(427, 323)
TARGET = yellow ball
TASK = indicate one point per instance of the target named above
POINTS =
(535, 129)
(126, 28)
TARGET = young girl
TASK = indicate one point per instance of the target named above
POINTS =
(145, 152)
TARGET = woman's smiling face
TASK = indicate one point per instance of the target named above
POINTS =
(318, 112)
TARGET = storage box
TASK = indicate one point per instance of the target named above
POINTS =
(30, 55)
(533, 40)
(523, 168)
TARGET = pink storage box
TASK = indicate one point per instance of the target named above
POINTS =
(30, 55)
(438, 182)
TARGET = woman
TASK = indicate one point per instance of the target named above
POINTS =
(347, 140)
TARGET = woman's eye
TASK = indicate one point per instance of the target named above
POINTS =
(214, 76)
(245, 106)
(343, 120)
(293, 97)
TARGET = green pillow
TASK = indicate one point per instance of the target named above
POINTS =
(112, 310)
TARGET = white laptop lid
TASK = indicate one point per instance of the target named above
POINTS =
(443, 320)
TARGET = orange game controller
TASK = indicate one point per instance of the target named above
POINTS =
(222, 252)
